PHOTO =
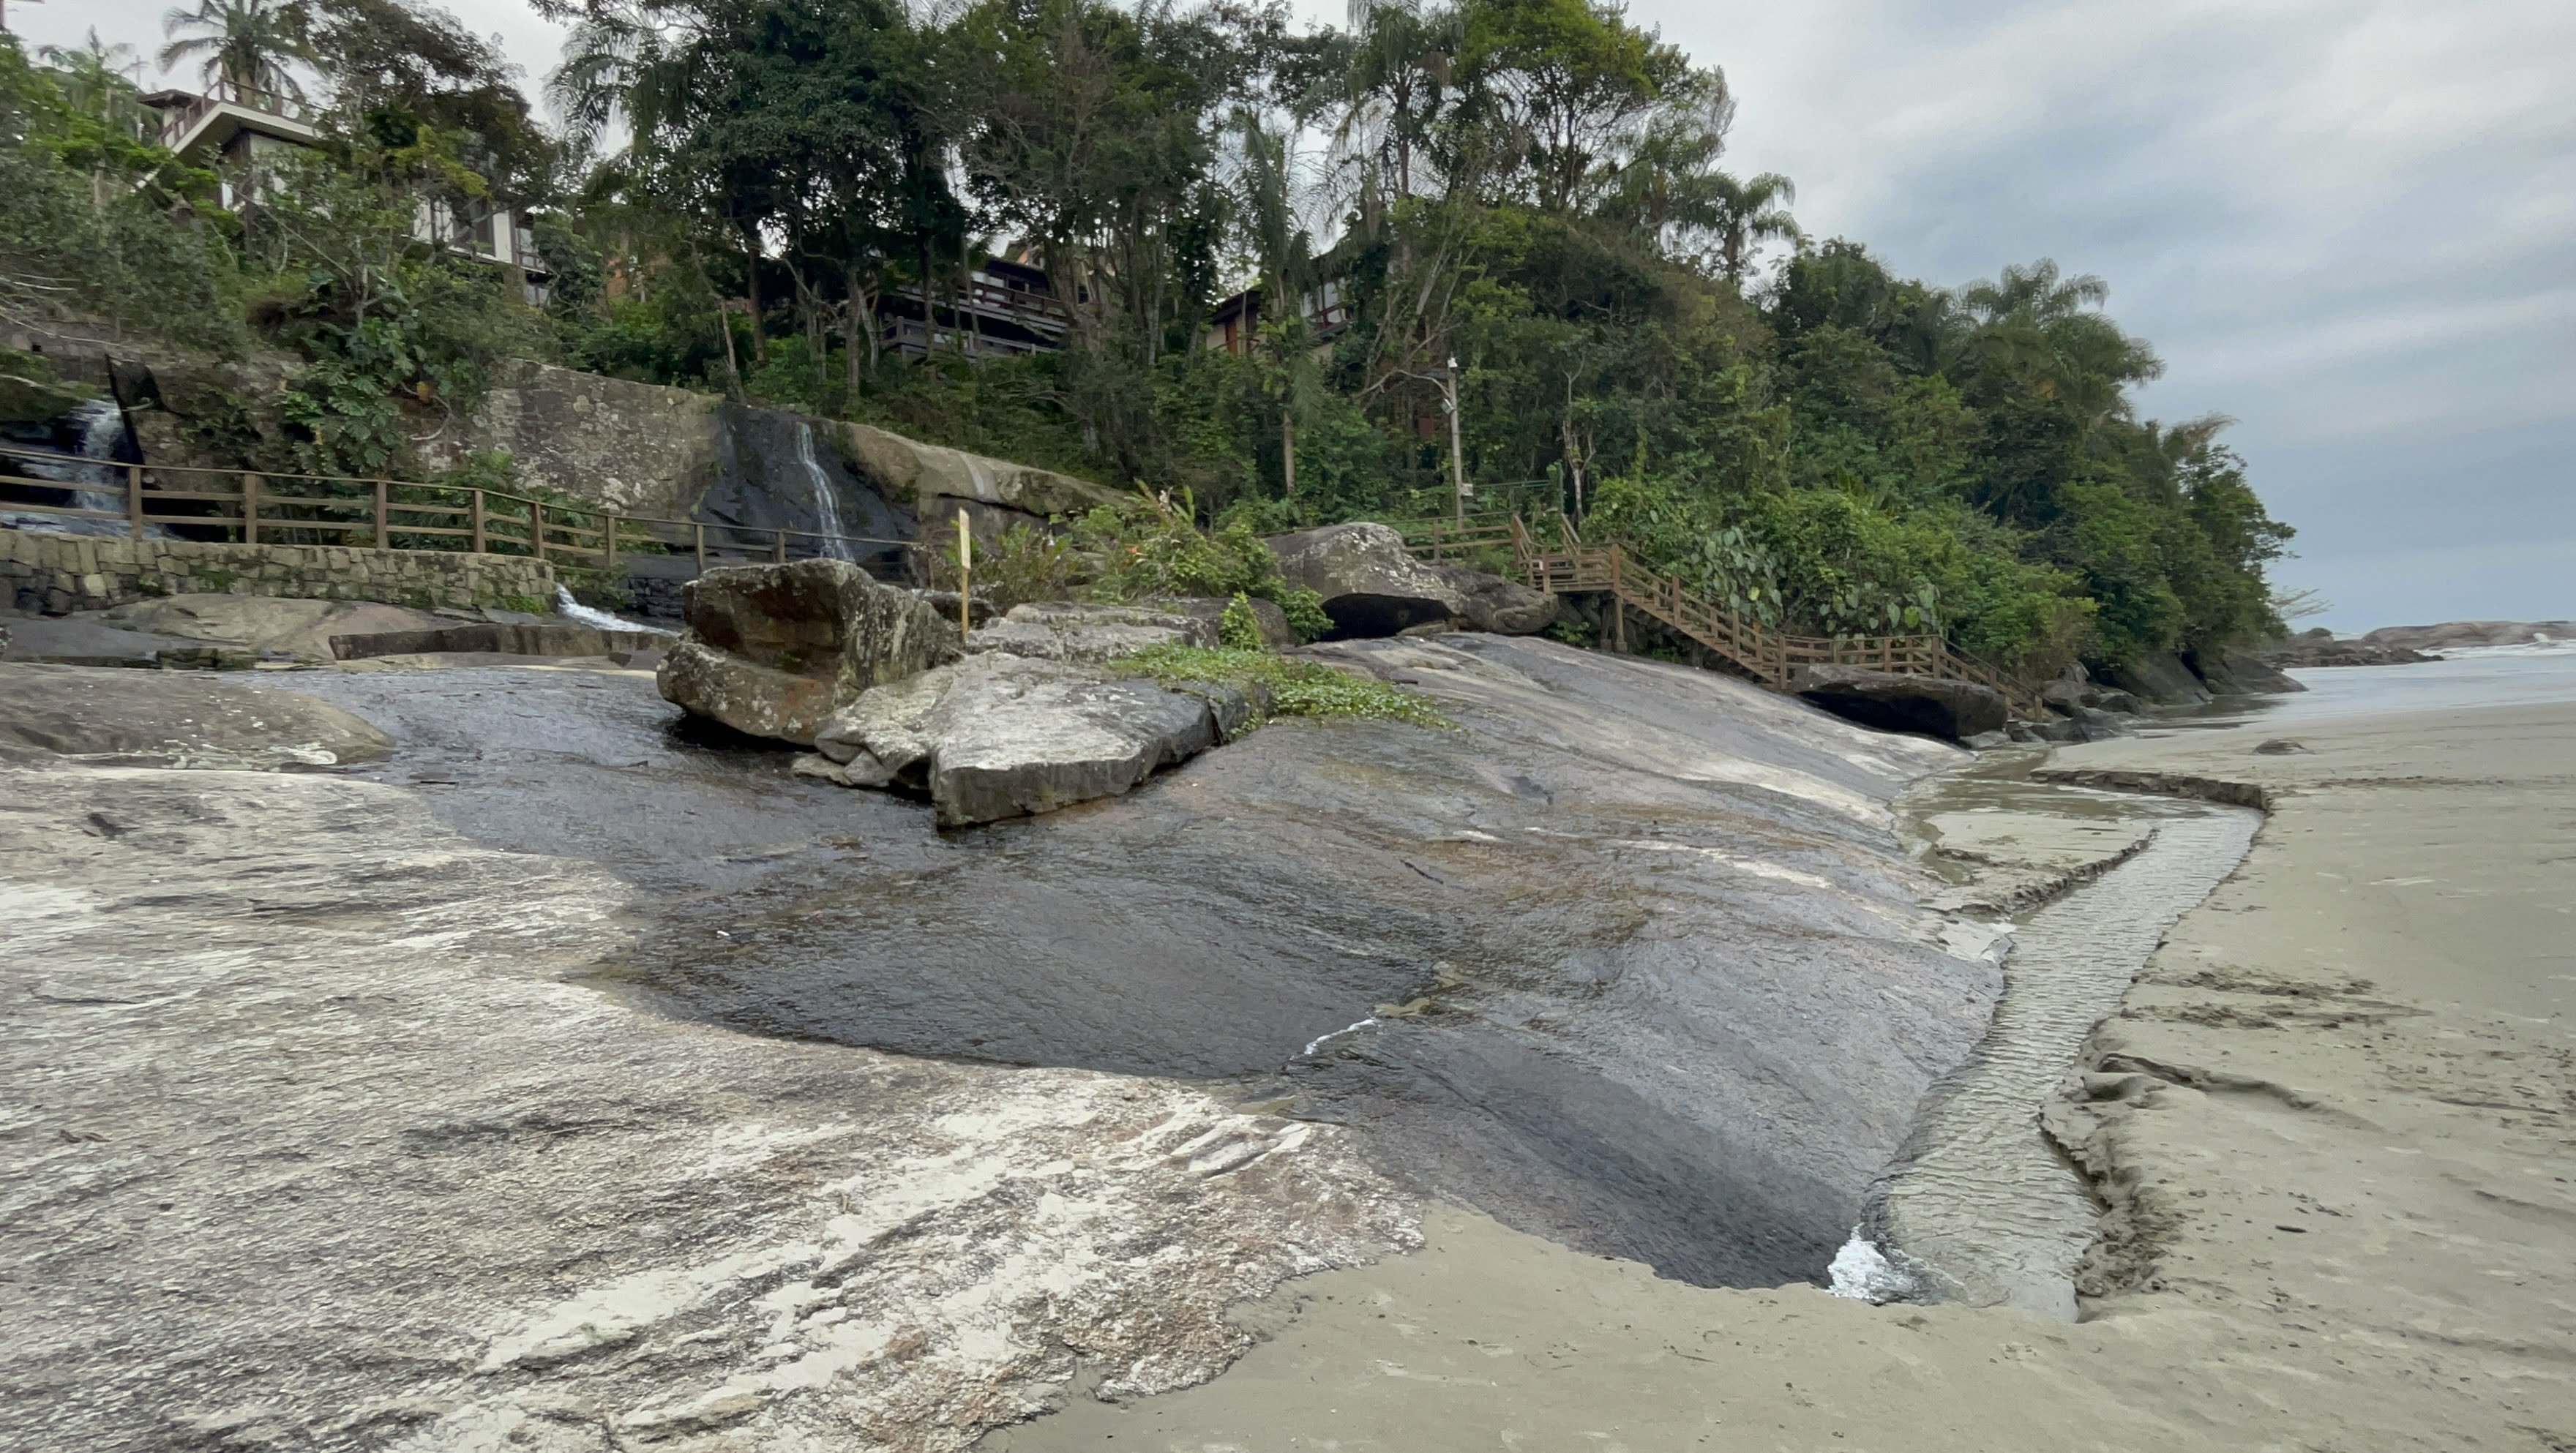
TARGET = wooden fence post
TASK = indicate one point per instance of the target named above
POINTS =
(384, 537)
(608, 544)
(778, 546)
(537, 527)
(474, 511)
(701, 531)
(250, 509)
(134, 500)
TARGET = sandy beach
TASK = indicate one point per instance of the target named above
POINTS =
(2328, 1125)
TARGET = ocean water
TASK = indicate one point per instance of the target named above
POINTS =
(2479, 676)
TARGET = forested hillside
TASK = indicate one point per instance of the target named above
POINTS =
(1536, 189)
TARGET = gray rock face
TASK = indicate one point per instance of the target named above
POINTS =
(1067, 631)
(1892, 701)
(2161, 678)
(156, 719)
(1371, 585)
(2231, 672)
(771, 650)
(1505, 607)
(998, 735)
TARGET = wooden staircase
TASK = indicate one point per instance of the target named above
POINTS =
(1568, 564)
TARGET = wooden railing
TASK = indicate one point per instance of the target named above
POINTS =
(1568, 564)
(256, 507)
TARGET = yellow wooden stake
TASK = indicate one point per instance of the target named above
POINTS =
(965, 572)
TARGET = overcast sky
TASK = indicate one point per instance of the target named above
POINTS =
(2348, 224)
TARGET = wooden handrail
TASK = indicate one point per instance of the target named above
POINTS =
(1767, 655)
(256, 505)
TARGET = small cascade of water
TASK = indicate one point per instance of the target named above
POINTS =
(827, 500)
(573, 610)
(89, 474)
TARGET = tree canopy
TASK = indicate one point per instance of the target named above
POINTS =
(1540, 190)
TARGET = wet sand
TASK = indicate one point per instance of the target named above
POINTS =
(2329, 1125)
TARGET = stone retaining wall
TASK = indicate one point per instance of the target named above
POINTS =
(55, 574)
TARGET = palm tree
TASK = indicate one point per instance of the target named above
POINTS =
(1285, 253)
(98, 78)
(1744, 215)
(246, 44)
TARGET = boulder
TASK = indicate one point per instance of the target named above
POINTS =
(771, 650)
(997, 736)
(2160, 678)
(1276, 633)
(2230, 672)
(1505, 607)
(1058, 630)
(1893, 701)
(1371, 585)
(173, 719)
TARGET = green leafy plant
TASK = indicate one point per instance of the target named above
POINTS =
(1293, 687)
(1238, 628)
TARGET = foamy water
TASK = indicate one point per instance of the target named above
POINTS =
(573, 610)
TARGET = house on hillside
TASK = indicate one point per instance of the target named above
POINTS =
(1007, 309)
(1236, 321)
(232, 128)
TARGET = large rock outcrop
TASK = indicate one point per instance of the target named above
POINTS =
(772, 650)
(1505, 607)
(1892, 701)
(2320, 647)
(998, 735)
(2231, 672)
(2160, 678)
(2458, 635)
(1371, 585)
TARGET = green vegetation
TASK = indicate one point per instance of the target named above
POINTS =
(1518, 202)
(1292, 687)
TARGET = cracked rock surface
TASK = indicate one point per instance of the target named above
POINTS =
(315, 1137)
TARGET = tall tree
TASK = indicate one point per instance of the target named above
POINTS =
(251, 44)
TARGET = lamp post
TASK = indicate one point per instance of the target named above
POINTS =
(1457, 455)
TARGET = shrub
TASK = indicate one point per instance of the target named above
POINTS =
(1295, 688)
(1239, 629)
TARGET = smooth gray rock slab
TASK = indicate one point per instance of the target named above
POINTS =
(1505, 607)
(86, 640)
(1372, 586)
(997, 736)
(1893, 701)
(264, 625)
(173, 719)
(772, 650)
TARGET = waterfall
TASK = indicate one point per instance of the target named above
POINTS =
(90, 475)
(827, 500)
